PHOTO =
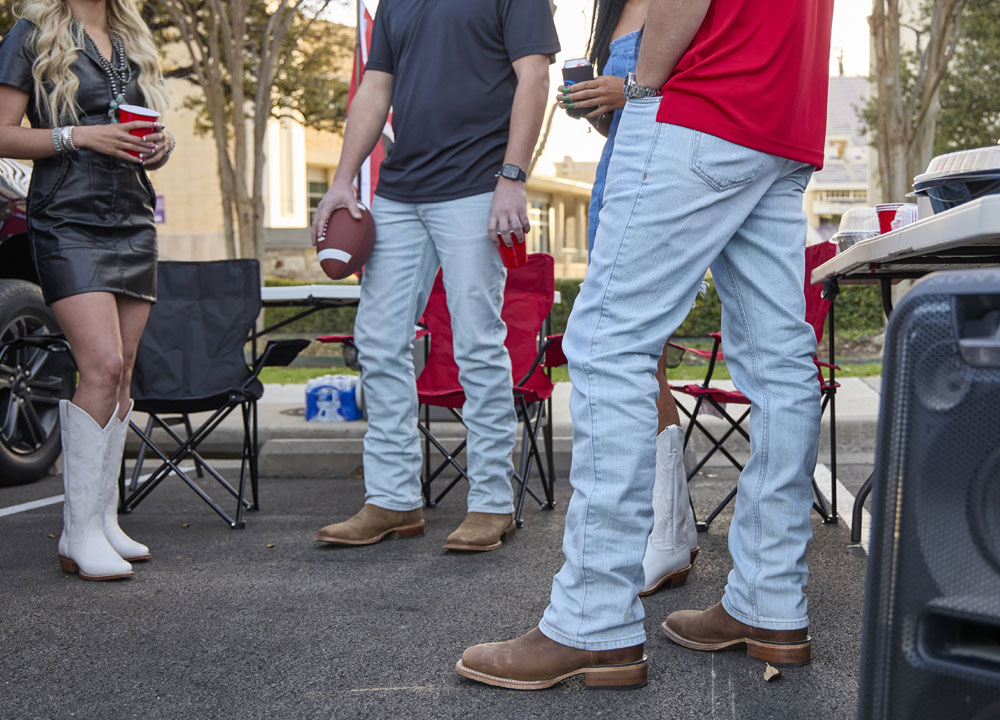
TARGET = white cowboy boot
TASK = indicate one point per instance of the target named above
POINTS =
(673, 543)
(83, 548)
(125, 546)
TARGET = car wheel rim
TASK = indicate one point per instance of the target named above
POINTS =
(30, 389)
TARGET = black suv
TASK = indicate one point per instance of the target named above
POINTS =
(31, 379)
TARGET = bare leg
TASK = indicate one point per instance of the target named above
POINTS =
(132, 316)
(90, 323)
(666, 408)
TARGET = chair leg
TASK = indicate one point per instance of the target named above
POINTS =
(187, 425)
(140, 458)
(549, 457)
(187, 449)
(169, 464)
(522, 477)
(449, 459)
(535, 452)
(833, 457)
(425, 486)
(254, 450)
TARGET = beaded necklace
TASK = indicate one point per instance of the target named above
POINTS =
(118, 72)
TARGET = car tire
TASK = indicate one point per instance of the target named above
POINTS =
(32, 381)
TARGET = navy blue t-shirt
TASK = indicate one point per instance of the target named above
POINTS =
(453, 85)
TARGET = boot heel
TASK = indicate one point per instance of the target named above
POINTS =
(410, 531)
(622, 677)
(679, 578)
(68, 565)
(783, 655)
(508, 534)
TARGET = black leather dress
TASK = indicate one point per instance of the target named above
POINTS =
(90, 215)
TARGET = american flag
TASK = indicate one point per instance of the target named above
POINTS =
(367, 179)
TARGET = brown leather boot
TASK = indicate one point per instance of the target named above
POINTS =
(372, 524)
(481, 531)
(534, 662)
(715, 629)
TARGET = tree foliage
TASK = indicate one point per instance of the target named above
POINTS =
(962, 112)
(247, 56)
(908, 78)
(970, 98)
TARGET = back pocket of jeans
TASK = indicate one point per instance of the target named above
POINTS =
(724, 165)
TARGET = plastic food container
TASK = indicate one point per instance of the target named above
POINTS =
(857, 224)
(905, 215)
(959, 177)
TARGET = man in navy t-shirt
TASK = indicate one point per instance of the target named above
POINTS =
(468, 84)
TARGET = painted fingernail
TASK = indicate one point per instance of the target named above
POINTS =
(569, 104)
(142, 156)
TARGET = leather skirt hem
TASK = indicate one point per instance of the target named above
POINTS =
(70, 292)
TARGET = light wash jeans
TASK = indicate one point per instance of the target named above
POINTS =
(412, 240)
(678, 201)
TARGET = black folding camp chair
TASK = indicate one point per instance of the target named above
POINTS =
(191, 359)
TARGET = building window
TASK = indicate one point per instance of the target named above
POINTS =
(538, 215)
(316, 185)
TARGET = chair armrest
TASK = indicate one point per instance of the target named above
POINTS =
(54, 343)
(707, 354)
(277, 353)
(553, 350)
(342, 339)
(820, 363)
(553, 345)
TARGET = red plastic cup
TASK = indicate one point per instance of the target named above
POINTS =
(131, 113)
(886, 214)
(513, 257)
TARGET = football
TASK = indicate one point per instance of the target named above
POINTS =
(346, 243)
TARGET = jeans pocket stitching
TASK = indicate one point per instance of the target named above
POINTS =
(716, 184)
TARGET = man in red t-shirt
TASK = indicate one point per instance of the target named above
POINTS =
(724, 126)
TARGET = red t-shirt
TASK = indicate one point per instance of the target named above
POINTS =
(756, 74)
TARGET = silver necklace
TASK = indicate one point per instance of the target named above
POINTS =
(117, 70)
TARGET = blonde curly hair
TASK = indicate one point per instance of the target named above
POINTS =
(58, 40)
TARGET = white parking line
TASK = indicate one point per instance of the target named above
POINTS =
(24, 507)
(845, 504)
(35, 504)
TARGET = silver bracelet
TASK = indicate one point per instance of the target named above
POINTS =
(173, 142)
(57, 142)
(67, 139)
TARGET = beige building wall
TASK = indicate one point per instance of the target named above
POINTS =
(189, 186)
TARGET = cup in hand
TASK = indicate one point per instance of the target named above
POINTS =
(514, 256)
(886, 214)
(131, 113)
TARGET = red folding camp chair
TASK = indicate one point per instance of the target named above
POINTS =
(528, 297)
(718, 398)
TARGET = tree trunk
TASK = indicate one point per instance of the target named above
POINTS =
(904, 136)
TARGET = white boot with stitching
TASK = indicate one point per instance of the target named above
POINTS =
(83, 548)
(673, 543)
(125, 546)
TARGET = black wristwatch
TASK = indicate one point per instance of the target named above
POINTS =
(511, 172)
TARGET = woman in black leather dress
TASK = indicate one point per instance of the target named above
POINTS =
(68, 65)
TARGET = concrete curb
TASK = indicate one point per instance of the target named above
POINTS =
(290, 447)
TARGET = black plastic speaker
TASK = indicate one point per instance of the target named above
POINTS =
(932, 608)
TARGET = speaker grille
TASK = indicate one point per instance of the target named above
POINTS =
(932, 631)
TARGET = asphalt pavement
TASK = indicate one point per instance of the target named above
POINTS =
(266, 623)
